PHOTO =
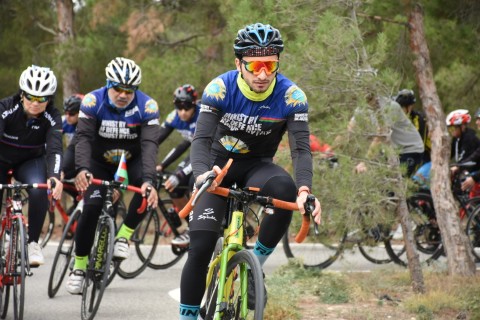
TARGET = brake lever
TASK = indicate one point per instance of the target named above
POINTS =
(204, 186)
(309, 207)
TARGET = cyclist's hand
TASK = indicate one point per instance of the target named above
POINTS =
(468, 184)
(57, 191)
(360, 168)
(201, 178)
(171, 183)
(159, 168)
(317, 212)
(81, 181)
(152, 200)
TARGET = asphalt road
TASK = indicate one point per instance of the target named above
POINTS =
(152, 295)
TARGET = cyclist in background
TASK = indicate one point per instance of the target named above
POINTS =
(243, 115)
(184, 120)
(31, 145)
(465, 145)
(406, 99)
(115, 119)
(71, 108)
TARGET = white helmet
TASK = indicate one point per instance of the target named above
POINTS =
(458, 117)
(38, 81)
(124, 71)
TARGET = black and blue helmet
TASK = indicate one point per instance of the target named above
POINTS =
(258, 40)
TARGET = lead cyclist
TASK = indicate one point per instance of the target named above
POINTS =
(244, 114)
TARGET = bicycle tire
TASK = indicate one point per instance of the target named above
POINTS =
(247, 260)
(99, 265)
(145, 239)
(473, 232)
(63, 256)
(316, 251)
(426, 234)
(372, 247)
(210, 293)
(4, 289)
(19, 265)
(166, 255)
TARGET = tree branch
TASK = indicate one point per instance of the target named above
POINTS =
(378, 18)
(49, 30)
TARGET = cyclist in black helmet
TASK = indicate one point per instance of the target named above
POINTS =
(244, 114)
(71, 108)
(406, 99)
(184, 120)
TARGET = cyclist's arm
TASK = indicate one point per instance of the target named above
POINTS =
(200, 153)
(299, 133)
(175, 153)
(85, 136)
(165, 131)
(150, 130)
(54, 148)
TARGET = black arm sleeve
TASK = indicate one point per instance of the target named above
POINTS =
(55, 148)
(83, 150)
(301, 154)
(202, 142)
(165, 131)
(175, 153)
(149, 150)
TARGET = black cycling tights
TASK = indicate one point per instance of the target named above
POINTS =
(207, 217)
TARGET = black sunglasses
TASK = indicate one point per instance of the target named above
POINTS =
(184, 106)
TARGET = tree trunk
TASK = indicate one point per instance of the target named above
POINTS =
(70, 79)
(457, 246)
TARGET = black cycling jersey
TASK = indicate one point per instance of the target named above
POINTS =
(22, 139)
(104, 133)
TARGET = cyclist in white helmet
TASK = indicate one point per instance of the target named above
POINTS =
(31, 145)
(115, 119)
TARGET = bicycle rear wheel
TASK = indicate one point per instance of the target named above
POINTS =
(166, 254)
(236, 295)
(372, 246)
(18, 266)
(316, 251)
(99, 267)
(425, 230)
(145, 239)
(63, 256)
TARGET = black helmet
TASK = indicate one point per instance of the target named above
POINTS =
(258, 40)
(72, 104)
(185, 93)
(405, 98)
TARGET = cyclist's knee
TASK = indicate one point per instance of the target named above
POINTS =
(280, 187)
(202, 244)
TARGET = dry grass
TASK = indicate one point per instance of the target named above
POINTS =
(382, 294)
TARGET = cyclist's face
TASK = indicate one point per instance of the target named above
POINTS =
(455, 131)
(258, 83)
(71, 117)
(120, 99)
(185, 114)
(33, 108)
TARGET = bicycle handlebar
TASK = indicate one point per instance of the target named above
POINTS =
(119, 185)
(225, 192)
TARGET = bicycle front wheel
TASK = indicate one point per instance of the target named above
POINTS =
(473, 232)
(317, 250)
(145, 239)
(4, 289)
(63, 256)
(234, 299)
(99, 268)
(166, 254)
(18, 260)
